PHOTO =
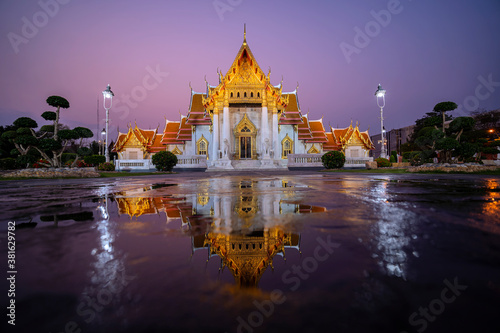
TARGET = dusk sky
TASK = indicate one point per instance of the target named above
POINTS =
(421, 51)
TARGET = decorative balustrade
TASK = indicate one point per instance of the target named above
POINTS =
(122, 165)
(183, 162)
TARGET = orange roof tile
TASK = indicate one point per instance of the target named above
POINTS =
(170, 133)
(332, 143)
(197, 114)
(185, 132)
(304, 130)
(318, 131)
(291, 115)
(157, 145)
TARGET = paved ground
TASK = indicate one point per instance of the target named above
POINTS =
(365, 252)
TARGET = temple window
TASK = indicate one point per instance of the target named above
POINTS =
(251, 94)
(258, 94)
(238, 95)
(202, 146)
(231, 95)
(245, 94)
(286, 147)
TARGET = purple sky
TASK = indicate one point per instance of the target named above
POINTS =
(427, 51)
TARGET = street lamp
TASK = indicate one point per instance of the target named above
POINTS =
(107, 94)
(380, 93)
(101, 148)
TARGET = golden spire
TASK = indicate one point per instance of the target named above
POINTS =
(245, 34)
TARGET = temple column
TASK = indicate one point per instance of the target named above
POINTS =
(215, 135)
(225, 128)
(264, 128)
(276, 147)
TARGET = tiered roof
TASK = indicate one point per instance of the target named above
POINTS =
(304, 129)
(339, 138)
(197, 114)
(291, 115)
(185, 133)
(318, 131)
(148, 139)
(170, 133)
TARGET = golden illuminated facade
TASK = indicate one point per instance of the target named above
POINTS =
(244, 122)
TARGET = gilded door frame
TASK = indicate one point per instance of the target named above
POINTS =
(245, 122)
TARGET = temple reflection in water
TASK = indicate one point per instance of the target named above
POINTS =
(245, 231)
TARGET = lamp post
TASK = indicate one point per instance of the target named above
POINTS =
(101, 148)
(380, 93)
(108, 95)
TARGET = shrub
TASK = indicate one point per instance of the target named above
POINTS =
(67, 157)
(164, 160)
(8, 163)
(95, 159)
(333, 160)
(106, 166)
(392, 159)
(383, 162)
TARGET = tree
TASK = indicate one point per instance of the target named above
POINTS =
(444, 107)
(164, 160)
(57, 102)
(52, 140)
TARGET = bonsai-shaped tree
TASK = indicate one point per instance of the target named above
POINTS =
(444, 107)
(50, 141)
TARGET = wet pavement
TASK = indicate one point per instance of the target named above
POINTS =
(254, 252)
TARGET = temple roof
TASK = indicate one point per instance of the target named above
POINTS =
(304, 130)
(344, 136)
(170, 133)
(244, 71)
(332, 143)
(185, 131)
(291, 115)
(197, 114)
(318, 131)
(147, 139)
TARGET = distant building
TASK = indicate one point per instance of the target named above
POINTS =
(394, 139)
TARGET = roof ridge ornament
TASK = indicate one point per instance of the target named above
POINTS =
(244, 34)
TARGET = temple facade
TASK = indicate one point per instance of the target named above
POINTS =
(243, 122)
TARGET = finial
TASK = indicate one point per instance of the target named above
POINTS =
(244, 33)
(190, 86)
(297, 86)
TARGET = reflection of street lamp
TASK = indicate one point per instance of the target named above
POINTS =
(108, 94)
(380, 93)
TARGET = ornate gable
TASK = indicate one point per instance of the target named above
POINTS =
(244, 82)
